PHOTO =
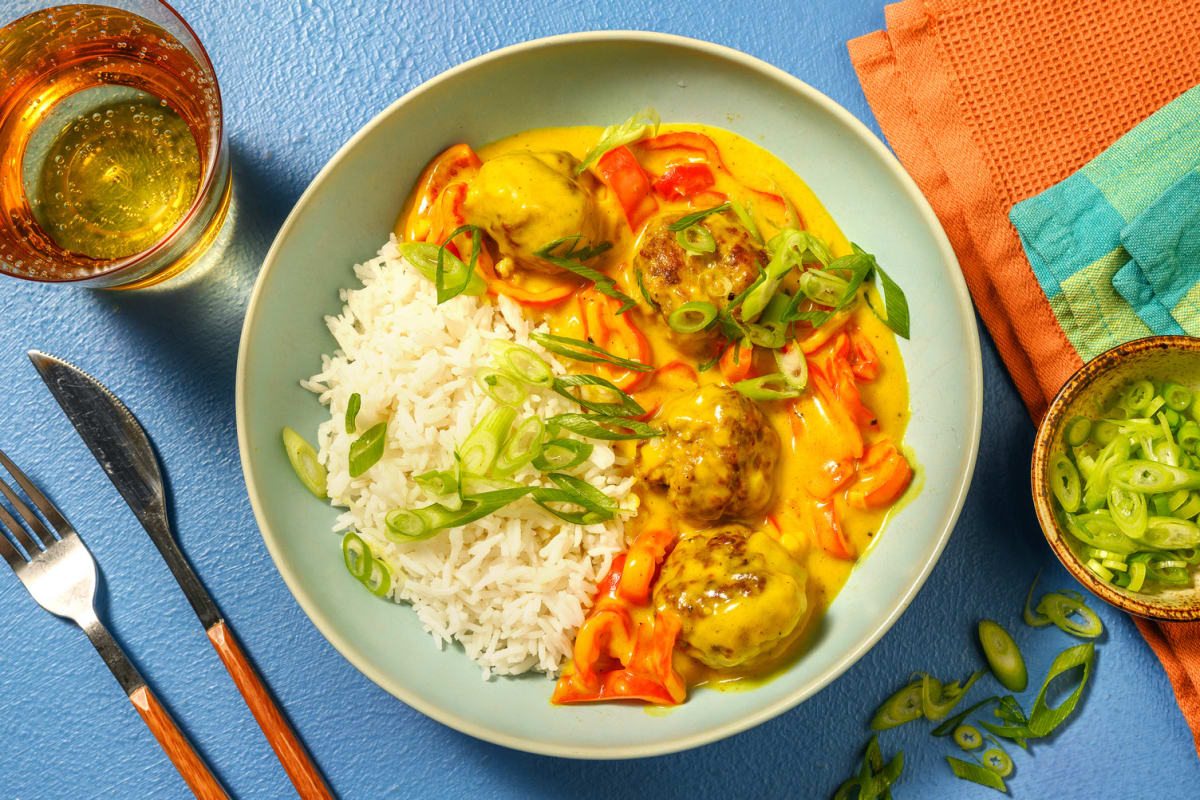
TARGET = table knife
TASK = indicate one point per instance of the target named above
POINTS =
(125, 454)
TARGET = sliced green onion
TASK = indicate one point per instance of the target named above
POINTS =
(1135, 578)
(895, 314)
(692, 317)
(998, 762)
(744, 217)
(904, 706)
(1177, 397)
(1065, 483)
(625, 407)
(572, 260)
(1189, 435)
(522, 447)
(696, 239)
(1043, 719)
(767, 387)
(596, 426)
(788, 249)
(968, 737)
(1104, 431)
(438, 481)
(1168, 453)
(1096, 488)
(424, 256)
(561, 454)
(644, 122)
(1102, 571)
(1138, 396)
(353, 405)
(1129, 511)
(405, 525)
(1059, 609)
(968, 771)
(478, 452)
(641, 284)
(1171, 416)
(1077, 430)
(949, 725)
(938, 700)
(367, 449)
(303, 458)
(793, 366)
(356, 555)
(1163, 569)
(522, 363)
(1168, 533)
(1003, 656)
(685, 222)
(379, 579)
(1031, 617)
(582, 350)
(824, 287)
(1097, 529)
(598, 506)
(452, 277)
(501, 387)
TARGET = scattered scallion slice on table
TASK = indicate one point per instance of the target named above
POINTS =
(904, 706)
(1003, 656)
(968, 737)
(970, 771)
(303, 458)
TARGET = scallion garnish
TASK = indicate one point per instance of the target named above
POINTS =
(572, 260)
(1003, 656)
(478, 452)
(501, 387)
(424, 256)
(1042, 718)
(692, 317)
(560, 454)
(970, 771)
(303, 458)
(696, 239)
(625, 406)
(904, 706)
(367, 449)
(637, 274)
(895, 304)
(997, 761)
(938, 699)
(743, 215)
(874, 779)
(356, 555)
(774, 386)
(523, 363)
(793, 366)
(597, 506)
(685, 222)
(379, 580)
(353, 405)
(415, 525)
(523, 446)
(582, 350)
(644, 122)
(968, 737)
(600, 426)
(788, 249)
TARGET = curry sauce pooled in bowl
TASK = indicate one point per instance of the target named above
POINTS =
(709, 322)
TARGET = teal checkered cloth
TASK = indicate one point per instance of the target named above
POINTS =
(1116, 246)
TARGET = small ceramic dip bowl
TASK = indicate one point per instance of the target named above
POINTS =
(1087, 393)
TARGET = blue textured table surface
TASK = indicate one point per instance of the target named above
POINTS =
(298, 79)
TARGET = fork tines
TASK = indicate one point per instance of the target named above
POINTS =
(19, 532)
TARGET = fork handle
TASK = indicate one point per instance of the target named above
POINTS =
(288, 749)
(193, 770)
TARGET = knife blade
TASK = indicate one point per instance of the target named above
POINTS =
(124, 452)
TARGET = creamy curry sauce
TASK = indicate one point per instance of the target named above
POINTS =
(803, 441)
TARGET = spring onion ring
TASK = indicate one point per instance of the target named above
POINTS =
(561, 454)
(1059, 609)
(379, 579)
(696, 239)
(1065, 483)
(303, 458)
(968, 737)
(968, 771)
(501, 387)
(1077, 430)
(367, 449)
(356, 555)
(522, 446)
(904, 706)
(774, 386)
(998, 762)
(479, 450)
(1003, 656)
(522, 363)
(424, 256)
(1043, 719)
(692, 317)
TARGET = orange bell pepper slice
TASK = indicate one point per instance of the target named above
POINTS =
(652, 655)
(833, 413)
(865, 362)
(737, 362)
(829, 530)
(605, 634)
(677, 375)
(642, 560)
(622, 173)
(457, 163)
(883, 476)
(616, 333)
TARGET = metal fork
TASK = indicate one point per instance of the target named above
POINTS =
(60, 573)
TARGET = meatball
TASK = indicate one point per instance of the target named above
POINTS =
(717, 457)
(525, 200)
(673, 276)
(738, 595)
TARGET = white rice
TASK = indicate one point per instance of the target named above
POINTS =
(513, 587)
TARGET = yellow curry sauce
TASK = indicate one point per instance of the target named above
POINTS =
(805, 429)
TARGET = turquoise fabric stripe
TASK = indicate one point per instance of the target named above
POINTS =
(1139, 199)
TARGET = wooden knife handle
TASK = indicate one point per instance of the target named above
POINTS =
(193, 769)
(289, 751)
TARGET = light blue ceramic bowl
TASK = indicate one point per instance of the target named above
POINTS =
(596, 78)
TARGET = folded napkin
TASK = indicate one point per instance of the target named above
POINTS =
(988, 103)
(1116, 246)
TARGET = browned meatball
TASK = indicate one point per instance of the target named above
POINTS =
(738, 595)
(673, 276)
(717, 458)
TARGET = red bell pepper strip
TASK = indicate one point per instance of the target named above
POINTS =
(829, 530)
(883, 476)
(643, 558)
(621, 172)
(456, 163)
(834, 475)
(681, 181)
(737, 362)
(616, 333)
(678, 375)
(690, 140)
(652, 654)
(865, 362)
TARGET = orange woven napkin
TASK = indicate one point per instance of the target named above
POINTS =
(988, 102)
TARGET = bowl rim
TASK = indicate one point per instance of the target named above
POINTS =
(1051, 423)
(955, 496)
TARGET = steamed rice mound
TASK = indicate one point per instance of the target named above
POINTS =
(513, 587)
